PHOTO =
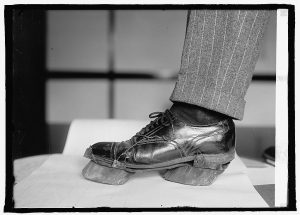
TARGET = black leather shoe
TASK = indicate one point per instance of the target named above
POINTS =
(188, 153)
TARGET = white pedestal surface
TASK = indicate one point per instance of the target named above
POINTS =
(58, 182)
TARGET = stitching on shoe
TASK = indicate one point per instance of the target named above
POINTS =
(115, 151)
(181, 150)
(112, 150)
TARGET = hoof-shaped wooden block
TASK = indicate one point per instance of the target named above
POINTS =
(105, 175)
(190, 175)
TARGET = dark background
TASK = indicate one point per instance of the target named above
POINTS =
(110, 54)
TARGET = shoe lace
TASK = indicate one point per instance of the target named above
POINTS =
(161, 118)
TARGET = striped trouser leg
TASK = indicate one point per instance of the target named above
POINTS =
(219, 55)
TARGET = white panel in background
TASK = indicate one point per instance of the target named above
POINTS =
(153, 40)
(77, 40)
(150, 40)
(266, 63)
(68, 100)
(136, 99)
(281, 163)
(260, 105)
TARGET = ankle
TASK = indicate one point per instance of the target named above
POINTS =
(196, 115)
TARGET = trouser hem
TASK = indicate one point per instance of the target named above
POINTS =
(229, 105)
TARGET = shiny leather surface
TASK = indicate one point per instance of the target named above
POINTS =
(168, 138)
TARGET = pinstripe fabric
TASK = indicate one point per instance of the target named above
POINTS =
(220, 52)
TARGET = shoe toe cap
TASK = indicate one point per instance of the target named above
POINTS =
(102, 149)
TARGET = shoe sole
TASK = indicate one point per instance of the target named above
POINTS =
(199, 170)
(211, 161)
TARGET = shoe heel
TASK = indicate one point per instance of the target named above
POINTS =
(105, 175)
(190, 175)
(203, 172)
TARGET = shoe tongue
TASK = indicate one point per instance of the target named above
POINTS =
(196, 115)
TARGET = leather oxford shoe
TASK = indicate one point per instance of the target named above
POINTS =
(193, 154)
